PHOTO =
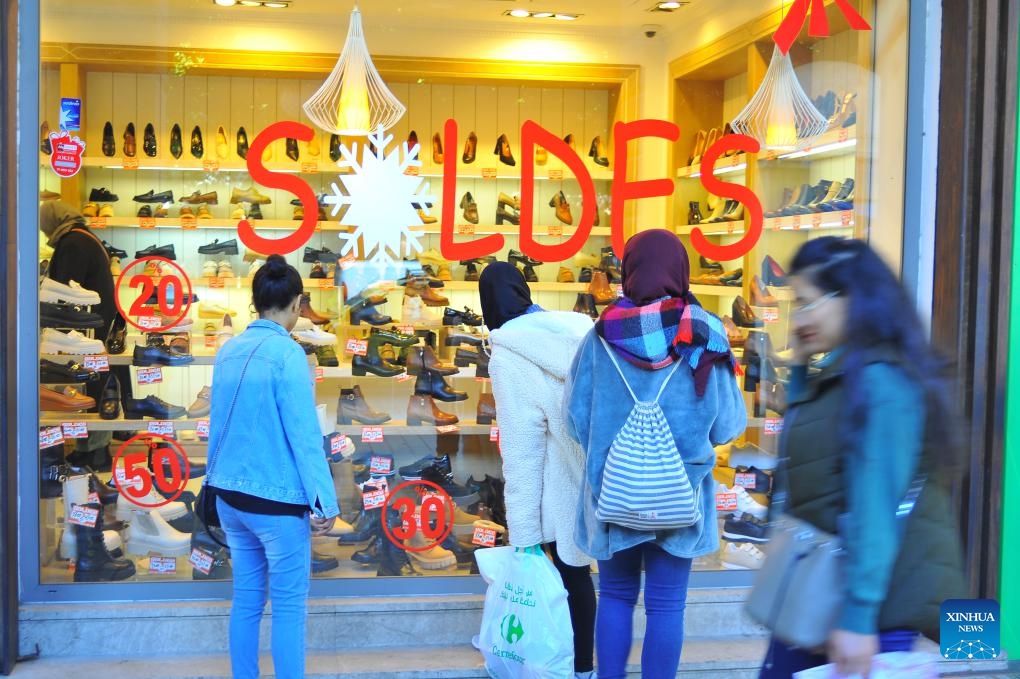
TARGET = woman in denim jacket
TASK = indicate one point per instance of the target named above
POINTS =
(656, 324)
(269, 473)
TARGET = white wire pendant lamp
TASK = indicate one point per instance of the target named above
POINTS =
(354, 100)
(780, 115)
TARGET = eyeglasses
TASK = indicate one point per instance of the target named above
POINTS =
(811, 306)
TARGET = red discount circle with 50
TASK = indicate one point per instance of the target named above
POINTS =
(161, 464)
(154, 283)
(435, 504)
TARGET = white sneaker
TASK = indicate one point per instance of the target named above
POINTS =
(149, 532)
(224, 270)
(209, 270)
(52, 291)
(303, 324)
(73, 342)
(746, 503)
(315, 337)
(742, 556)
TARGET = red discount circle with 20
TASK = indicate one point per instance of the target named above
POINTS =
(168, 291)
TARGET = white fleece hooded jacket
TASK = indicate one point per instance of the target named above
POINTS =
(542, 465)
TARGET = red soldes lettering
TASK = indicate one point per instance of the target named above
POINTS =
(753, 214)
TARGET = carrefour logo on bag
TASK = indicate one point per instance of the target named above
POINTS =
(510, 628)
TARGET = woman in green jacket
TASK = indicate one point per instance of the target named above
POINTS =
(863, 369)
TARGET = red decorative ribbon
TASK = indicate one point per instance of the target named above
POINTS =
(791, 26)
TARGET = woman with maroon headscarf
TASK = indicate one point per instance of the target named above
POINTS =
(656, 325)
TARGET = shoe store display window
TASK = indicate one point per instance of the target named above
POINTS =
(149, 147)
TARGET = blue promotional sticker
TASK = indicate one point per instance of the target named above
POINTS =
(969, 629)
(70, 114)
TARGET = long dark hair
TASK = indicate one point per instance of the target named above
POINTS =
(275, 285)
(880, 315)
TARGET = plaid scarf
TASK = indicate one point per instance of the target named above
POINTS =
(666, 330)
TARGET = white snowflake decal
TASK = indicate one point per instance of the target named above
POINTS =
(382, 201)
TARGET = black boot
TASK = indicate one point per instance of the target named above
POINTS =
(365, 528)
(366, 311)
(370, 553)
(373, 363)
(393, 560)
(208, 545)
(51, 460)
(585, 304)
(94, 563)
(431, 382)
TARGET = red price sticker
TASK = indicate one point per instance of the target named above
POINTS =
(846, 217)
(465, 229)
(484, 536)
(217, 283)
(413, 171)
(337, 444)
(347, 262)
(152, 375)
(770, 314)
(488, 173)
(773, 223)
(99, 363)
(380, 464)
(160, 428)
(50, 436)
(373, 499)
(309, 168)
(816, 220)
(320, 374)
(447, 429)
(726, 502)
(146, 222)
(130, 163)
(843, 135)
(326, 284)
(149, 322)
(202, 429)
(406, 329)
(83, 516)
(211, 165)
(201, 560)
(162, 565)
(189, 222)
(97, 223)
(358, 347)
(210, 341)
(746, 480)
(74, 430)
(404, 377)
(372, 434)
(556, 230)
(93, 499)
(494, 433)
(773, 426)
(556, 175)
(796, 222)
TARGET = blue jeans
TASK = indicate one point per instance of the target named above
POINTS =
(781, 661)
(271, 553)
(666, 579)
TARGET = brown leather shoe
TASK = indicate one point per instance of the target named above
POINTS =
(422, 356)
(732, 332)
(430, 298)
(352, 406)
(211, 198)
(559, 201)
(760, 295)
(67, 400)
(599, 288)
(743, 314)
(470, 208)
(486, 412)
(421, 408)
(470, 146)
(308, 312)
(437, 149)
(565, 275)
(129, 140)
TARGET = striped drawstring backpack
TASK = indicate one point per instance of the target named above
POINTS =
(644, 483)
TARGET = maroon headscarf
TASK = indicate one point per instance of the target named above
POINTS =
(658, 268)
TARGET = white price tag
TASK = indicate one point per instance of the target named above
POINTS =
(83, 516)
(161, 427)
(726, 502)
(201, 560)
(202, 428)
(373, 499)
(50, 436)
(380, 465)
(74, 430)
(484, 536)
(99, 363)
(150, 375)
(773, 426)
(162, 564)
(371, 434)
(150, 322)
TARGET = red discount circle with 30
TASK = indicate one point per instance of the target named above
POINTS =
(161, 464)
(436, 503)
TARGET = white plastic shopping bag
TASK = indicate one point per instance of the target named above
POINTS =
(898, 665)
(526, 631)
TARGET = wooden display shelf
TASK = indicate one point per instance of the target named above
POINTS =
(834, 143)
(557, 231)
(842, 219)
(175, 223)
(215, 282)
(50, 418)
(125, 359)
(535, 287)
(344, 370)
(401, 428)
(731, 164)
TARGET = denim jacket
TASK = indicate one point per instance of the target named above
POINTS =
(272, 446)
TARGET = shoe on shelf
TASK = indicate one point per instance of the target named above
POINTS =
(152, 406)
(743, 314)
(745, 503)
(159, 354)
(470, 148)
(249, 195)
(209, 269)
(109, 146)
(129, 140)
(315, 337)
(742, 556)
(103, 195)
(71, 293)
(503, 151)
(64, 399)
(197, 147)
(68, 316)
(470, 208)
(597, 152)
(564, 275)
(145, 211)
(91, 209)
(105, 210)
(207, 310)
(352, 407)
(149, 140)
(745, 528)
(72, 342)
(223, 270)
(465, 317)
(210, 198)
(51, 372)
(176, 145)
(218, 247)
(559, 202)
(165, 251)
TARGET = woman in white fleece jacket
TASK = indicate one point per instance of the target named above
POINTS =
(543, 467)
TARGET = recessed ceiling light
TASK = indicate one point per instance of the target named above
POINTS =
(225, 3)
(519, 13)
(275, 5)
(542, 15)
(670, 5)
(251, 3)
(566, 17)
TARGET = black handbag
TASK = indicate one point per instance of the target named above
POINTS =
(205, 503)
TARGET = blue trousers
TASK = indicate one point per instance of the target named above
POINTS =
(666, 578)
(781, 661)
(269, 554)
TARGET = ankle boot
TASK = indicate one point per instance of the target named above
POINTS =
(486, 411)
(150, 532)
(559, 201)
(76, 492)
(365, 528)
(503, 151)
(364, 310)
(393, 561)
(422, 358)
(421, 408)
(372, 362)
(308, 312)
(597, 152)
(585, 304)
(599, 288)
(432, 382)
(470, 208)
(94, 562)
(53, 466)
(369, 554)
(352, 406)
(432, 298)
